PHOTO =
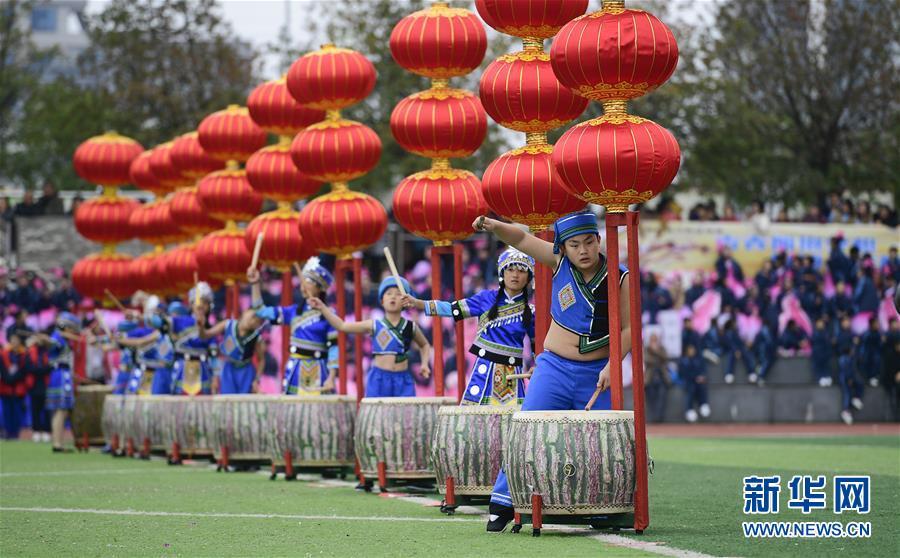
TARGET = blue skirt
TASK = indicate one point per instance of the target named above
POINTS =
(488, 385)
(305, 375)
(120, 386)
(60, 391)
(162, 381)
(191, 377)
(385, 383)
(237, 378)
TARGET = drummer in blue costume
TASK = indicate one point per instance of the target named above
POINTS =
(61, 389)
(127, 359)
(238, 345)
(504, 319)
(575, 359)
(313, 362)
(392, 337)
(192, 373)
(155, 353)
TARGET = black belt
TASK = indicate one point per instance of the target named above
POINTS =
(495, 357)
(185, 356)
(298, 351)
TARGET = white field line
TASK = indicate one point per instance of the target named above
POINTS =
(235, 515)
(93, 472)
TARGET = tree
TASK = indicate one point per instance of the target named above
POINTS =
(368, 31)
(798, 98)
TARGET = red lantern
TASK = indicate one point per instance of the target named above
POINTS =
(440, 123)
(163, 223)
(272, 173)
(190, 214)
(162, 167)
(94, 274)
(106, 159)
(223, 255)
(181, 265)
(540, 19)
(439, 204)
(272, 107)
(189, 158)
(616, 160)
(342, 222)
(282, 243)
(615, 53)
(105, 219)
(336, 150)
(522, 186)
(227, 195)
(331, 78)
(149, 273)
(230, 134)
(152, 223)
(439, 42)
(520, 92)
(143, 177)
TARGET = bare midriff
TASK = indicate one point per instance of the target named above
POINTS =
(389, 362)
(565, 344)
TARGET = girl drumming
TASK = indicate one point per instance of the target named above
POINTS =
(504, 319)
(392, 337)
(314, 354)
(575, 359)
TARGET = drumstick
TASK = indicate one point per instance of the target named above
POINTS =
(524, 376)
(298, 270)
(594, 397)
(196, 289)
(115, 300)
(256, 249)
(390, 261)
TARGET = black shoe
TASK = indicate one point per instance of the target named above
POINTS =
(365, 486)
(500, 516)
(326, 474)
(63, 450)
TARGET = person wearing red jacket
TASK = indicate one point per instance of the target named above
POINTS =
(13, 385)
(39, 377)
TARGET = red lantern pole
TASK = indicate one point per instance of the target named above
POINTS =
(543, 286)
(235, 300)
(358, 340)
(437, 329)
(460, 330)
(613, 221)
(287, 298)
(340, 272)
(641, 499)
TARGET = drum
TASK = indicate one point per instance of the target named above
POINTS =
(112, 419)
(153, 420)
(316, 430)
(188, 422)
(242, 425)
(87, 423)
(397, 432)
(468, 446)
(129, 408)
(578, 462)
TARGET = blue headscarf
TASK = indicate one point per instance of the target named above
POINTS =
(513, 257)
(390, 282)
(178, 309)
(68, 320)
(317, 273)
(571, 225)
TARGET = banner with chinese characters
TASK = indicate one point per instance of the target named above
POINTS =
(694, 245)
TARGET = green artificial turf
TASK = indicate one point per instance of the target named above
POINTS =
(696, 505)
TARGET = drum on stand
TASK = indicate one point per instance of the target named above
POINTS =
(467, 450)
(572, 467)
(241, 428)
(187, 426)
(113, 433)
(312, 432)
(87, 416)
(394, 437)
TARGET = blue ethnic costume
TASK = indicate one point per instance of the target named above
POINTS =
(61, 389)
(126, 360)
(499, 342)
(391, 339)
(581, 307)
(313, 341)
(153, 373)
(238, 371)
(192, 372)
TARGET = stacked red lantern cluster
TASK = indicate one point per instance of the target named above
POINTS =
(336, 150)
(105, 160)
(440, 123)
(520, 92)
(272, 173)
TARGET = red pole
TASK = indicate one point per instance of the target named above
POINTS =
(641, 499)
(235, 300)
(460, 330)
(543, 285)
(358, 340)
(340, 272)
(287, 298)
(613, 220)
(437, 330)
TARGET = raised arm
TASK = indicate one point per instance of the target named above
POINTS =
(540, 250)
(424, 352)
(364, 326)
(138, 341)
(256, 300)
